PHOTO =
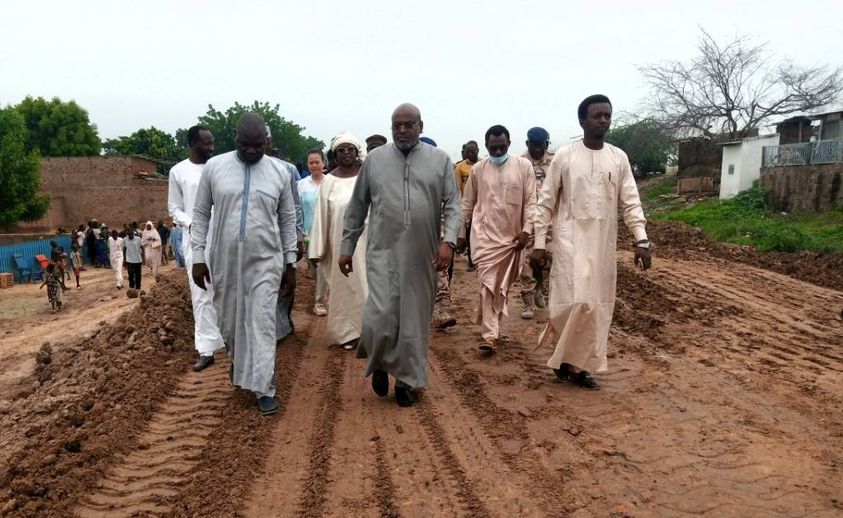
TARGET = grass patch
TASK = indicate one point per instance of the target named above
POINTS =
(747, 219)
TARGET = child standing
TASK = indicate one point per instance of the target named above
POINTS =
(76, 261)
(52, 280)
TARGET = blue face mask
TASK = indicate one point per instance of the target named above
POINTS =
(498, 160)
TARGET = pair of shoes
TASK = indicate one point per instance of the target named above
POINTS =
(380, 383)
(538, 298)
(488, 348)
(444, 322)
(527, 312)
(405, 396)
(267, 405)
(319, 310)
(584, 379)
(203, 363)
(562, 372)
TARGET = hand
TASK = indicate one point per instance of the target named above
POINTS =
(299, 250)
(643, 258)
(522, 240)
(200, 274)
(345, 265)
(288, 281)
(461, 242)
(443, 257)
(538, 258)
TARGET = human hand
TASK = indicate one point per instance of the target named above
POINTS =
(200, 274)
(461, 244)
(443, 257)
(643, 258)
(538, 258)
(299, 250)
(288, 280)
(345, 265)
(522, 240)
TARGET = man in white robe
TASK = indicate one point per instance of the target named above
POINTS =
(407, 185)
(181, 197)
(586, 183)
(252, 256)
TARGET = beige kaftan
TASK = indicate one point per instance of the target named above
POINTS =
(348, 294)
(580, 199)
(499, 203)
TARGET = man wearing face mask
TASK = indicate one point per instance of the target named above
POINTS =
(499, 202)
(252, 255)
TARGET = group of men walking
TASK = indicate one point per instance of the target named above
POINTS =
(381, 225)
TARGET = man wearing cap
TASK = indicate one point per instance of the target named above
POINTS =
(462, 171)
(374, 141)
(533, 281)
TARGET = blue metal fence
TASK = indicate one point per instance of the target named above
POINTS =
(28, 251)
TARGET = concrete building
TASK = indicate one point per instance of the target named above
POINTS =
(741, 164)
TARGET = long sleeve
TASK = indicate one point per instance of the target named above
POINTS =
(294, 180)
(529, 201)
(320, 229)
(469, 198)
(201, 216)
(288, 221)
(458, 178)
(548, 197)
(356, 211)
(451, 205)
(630, 202)
(175, 201)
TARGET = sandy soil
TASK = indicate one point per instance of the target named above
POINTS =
(724, 397)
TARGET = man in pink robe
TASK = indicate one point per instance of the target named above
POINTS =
(499, 203)
(588, 181)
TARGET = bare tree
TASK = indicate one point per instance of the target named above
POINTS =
(730, 89)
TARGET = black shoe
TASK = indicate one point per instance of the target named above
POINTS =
(584, 379)
(562, 372)
(405, 396)
(380, 383)
(267, 405)
(203, 363)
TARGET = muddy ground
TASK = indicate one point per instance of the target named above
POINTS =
(724, 397)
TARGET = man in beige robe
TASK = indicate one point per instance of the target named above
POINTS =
(499, 203)
(586, 184)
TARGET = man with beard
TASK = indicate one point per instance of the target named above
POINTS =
(252, 256)
(181, 198)
(407, 185)
(586, 183)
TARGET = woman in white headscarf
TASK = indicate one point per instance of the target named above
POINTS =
(348, 294)
(151, 241)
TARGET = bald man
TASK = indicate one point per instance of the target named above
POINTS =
(252, 256)
(408, 186)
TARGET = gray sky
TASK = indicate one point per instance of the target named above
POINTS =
(336, 66)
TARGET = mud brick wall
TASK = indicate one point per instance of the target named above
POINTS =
(807, 188)
(699, 157)
(98, 187)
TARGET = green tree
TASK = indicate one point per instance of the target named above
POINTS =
(57, 128)
(286, 135)
(19, 174)
(151, 142)
(645, 142)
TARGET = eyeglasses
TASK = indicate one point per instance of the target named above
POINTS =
(398, 126)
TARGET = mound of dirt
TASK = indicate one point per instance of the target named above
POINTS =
(86, 402)
(677, 240)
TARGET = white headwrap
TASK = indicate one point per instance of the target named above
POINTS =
(348, 138)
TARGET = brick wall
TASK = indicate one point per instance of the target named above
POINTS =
(699, 157)
(100, 187)
(806, 188)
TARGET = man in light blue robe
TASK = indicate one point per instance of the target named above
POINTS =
(252, 255)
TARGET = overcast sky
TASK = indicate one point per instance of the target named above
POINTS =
(343, 66)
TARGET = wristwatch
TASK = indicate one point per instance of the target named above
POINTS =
(643, 244)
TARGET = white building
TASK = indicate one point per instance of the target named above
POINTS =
(742, 163)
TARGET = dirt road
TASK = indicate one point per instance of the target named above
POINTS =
(724, 397)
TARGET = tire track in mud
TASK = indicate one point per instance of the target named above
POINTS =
(384, 487)
(321, 442)
(168, 450)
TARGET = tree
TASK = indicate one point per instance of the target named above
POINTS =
(645, 142)
(57, 128)
(286, 135)
(19, 174)
(732, 88)
(151, 142)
